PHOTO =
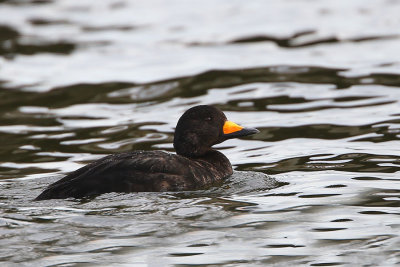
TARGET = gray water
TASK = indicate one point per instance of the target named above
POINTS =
(318, 186)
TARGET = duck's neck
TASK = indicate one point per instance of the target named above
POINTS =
(218, 161)
(189, 150)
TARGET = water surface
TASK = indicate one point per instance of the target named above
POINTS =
(318, 186)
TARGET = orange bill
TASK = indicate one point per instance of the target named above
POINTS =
(231, 127)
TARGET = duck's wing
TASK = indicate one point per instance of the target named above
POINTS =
(126, 172)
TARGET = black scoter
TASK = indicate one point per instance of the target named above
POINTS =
(196, 164)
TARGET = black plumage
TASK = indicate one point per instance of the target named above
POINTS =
(196, 164)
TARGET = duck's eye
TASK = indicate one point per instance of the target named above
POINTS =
(208, 119)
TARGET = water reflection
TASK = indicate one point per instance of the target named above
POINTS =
(12, 45)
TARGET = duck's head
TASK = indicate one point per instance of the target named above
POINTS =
(203, 126)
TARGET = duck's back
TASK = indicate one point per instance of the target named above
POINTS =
(140, 171)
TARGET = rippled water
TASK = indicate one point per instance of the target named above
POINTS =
(318, 186)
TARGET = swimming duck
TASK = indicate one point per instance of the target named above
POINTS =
(196, 164)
